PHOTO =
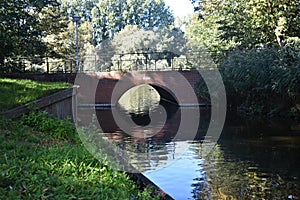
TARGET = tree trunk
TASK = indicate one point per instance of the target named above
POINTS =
(279, 40)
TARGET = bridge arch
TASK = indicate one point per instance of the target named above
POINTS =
(164, 83)
(106, 88)
(164, 94)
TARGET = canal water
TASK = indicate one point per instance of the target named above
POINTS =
(251, 160)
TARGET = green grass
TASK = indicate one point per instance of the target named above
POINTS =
(15, 92)
(48, 161)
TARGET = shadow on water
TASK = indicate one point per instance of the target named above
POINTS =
(252, 159)
(141, 119)
(144, 119)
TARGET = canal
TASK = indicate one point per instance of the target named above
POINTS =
(252, 159)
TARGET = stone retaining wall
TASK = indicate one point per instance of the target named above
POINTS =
(58, 104)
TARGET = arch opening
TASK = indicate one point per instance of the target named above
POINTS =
(144, 97)
(139, 101)
(165, 96)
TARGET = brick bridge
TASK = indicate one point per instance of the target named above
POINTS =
(106, 88)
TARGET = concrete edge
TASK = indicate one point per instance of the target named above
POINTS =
(143, 181)
(38, 104)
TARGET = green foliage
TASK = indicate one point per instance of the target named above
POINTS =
(122, 53)
(80, 8)
(261, 38)
(47, 124)
(249, 23)
(45, 29)
(20, 30)
(205, 33)
(15, 92)
(111, 16)
(266, 81)
(34, 165)
(59, 33)
(275, 21)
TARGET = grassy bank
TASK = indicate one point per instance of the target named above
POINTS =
(15, 92)
(46, 160)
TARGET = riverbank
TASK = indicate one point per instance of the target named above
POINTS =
(47, 160)
(42, 157)
(16, 92)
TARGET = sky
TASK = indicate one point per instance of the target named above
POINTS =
(180, 8)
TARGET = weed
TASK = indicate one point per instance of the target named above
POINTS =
(31, 168)
(43, 122)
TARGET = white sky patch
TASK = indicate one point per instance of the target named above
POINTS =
(180, 8)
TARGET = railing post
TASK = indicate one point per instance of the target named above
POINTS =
(76, 19)
(75, 102)
(47, 63)
(71, 66)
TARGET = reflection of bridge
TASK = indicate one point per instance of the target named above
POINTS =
(106, 88)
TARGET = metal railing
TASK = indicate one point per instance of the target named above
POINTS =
(153, 61)
(38, 65)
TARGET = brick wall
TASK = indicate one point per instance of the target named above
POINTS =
(180, 87)
(169, 81)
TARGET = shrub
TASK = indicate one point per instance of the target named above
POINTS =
(42, 121)
(265, 81)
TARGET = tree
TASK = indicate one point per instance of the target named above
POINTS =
(264, 81)
(276, 20)
(133, 47)
(205, 33)
(82, 8)
(133, 40)
(57, 33)
(111, 16)
(20, 30)
(262, 65)
(252, 23)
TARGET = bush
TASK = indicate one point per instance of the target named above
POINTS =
(264, 81)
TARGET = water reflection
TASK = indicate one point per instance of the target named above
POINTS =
(243, 168)
(252, 160)
(160, 149)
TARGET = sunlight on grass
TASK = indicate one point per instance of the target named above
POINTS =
(15, 92)
(39, 164)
